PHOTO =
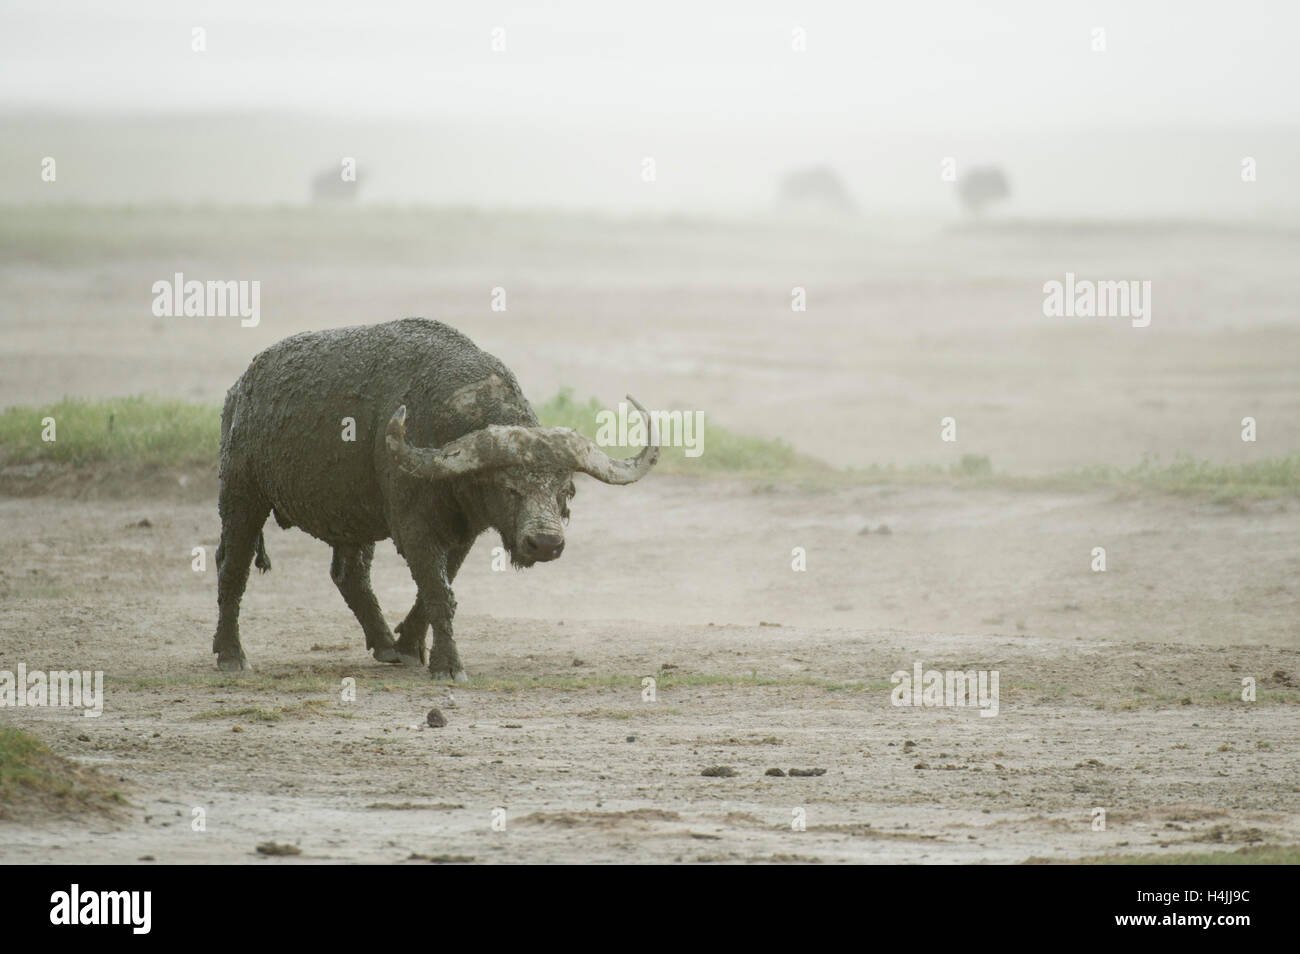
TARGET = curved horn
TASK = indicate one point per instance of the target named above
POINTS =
(461, 456)
(503, 445)
(595, 462)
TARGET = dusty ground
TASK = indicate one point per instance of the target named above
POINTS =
(1118, 690)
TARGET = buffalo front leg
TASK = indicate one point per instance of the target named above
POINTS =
(429, 569)
(241, 528)
(350, 571)
(412, 646)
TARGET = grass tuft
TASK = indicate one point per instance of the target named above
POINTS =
(36, 782)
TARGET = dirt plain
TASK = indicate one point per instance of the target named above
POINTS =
(1119, 690)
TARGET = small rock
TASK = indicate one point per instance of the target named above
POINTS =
(436, 719)
(775, 772)
(807, 773)
(275, 848)
(441, 859)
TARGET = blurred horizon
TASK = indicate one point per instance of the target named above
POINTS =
(556, 106)
(270, 158)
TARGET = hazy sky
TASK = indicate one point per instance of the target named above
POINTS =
(1158, 123)
(955, 64)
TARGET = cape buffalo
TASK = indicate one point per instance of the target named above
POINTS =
(477, 459)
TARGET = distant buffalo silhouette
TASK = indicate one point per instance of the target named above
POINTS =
(981, 186)
(328, 185)
(816, 187)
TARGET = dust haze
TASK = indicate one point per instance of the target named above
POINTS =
(827, 224)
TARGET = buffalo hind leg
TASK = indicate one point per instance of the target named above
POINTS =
(411, 644)
(350, 571)
(241, 528)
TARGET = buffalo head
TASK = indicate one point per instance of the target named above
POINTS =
(523, 476)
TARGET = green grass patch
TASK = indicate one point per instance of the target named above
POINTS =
(723, 451)
(1227, 482)
(135, 430)
(147, 431)
(34, 781)
(1184, 475)
(22, 760)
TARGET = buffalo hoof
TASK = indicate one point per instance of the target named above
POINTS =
(230, 662)
(387, 654)
(412, 646)
(445, 676)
